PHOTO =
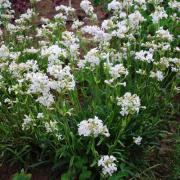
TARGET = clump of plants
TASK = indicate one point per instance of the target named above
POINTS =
(88, 98)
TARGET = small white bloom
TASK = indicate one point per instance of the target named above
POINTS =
(158, 75)
(159, 14)
(26, 122)
(87, 7)
(135, 19)
(4, 51)
(92, 127)
(40, 116)
(52, 128)
(129, 104)
(146, 56)
(108, 164)
(164, 34)
(137, 140)
(114, 5)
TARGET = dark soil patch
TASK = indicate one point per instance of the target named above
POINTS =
(46, 8)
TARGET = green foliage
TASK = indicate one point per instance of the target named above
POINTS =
(34, 133)
(21, 176)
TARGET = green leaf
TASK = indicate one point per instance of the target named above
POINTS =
(66, 176)
(85, 175)
(21, 176)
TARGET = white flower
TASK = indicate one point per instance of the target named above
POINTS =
(159, 13)
(53, 53)
(135, 19)
(5, 4)
(40, 116)
(114, 5)
(87, 7)
(76, 24)
(140, 1)
(92, 57)
(65, 80)
(98, 34)
(31, 50)
(26, 122)
(70, 41)
(108, 164)
(26, 16)
(142, 72)
(174, 5)
(137, 140)
(17, 70)
(164, 34)
(146, 56)
(51, 127)
(158, 75)
(46, 99)
(65, 9)
(4, 51)
(129, 104)
(39, 83)
(117, 71)
(107, 24)
(92, 127)
(122, 29)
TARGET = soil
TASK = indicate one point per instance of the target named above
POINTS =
(46, 7)
(7, 172)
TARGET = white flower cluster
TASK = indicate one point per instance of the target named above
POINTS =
(53, 53)
(108, 164)
(70, 41)
(6, 12)
(146, 56)
(18, 69)
(164, 34)
(140, 1)
(122, 29)
(98, 34)
(116, 72)
(65, 80)
(65, 11)
(159, 14)
(92, 127)
(26, 122)
(137, 140)
(87, 7)
(4, 52)
(42, 84)
(158, 75)
(135, 19)
(129, 103)
(114, 5)
(52, 128)
(174, 4)
(26, 16)
(5, 4)
(76, 24)
(173, 63)
(92, 58)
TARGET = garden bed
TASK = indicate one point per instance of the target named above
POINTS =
(89, 93)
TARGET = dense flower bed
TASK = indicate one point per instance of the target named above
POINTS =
(89, 99)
